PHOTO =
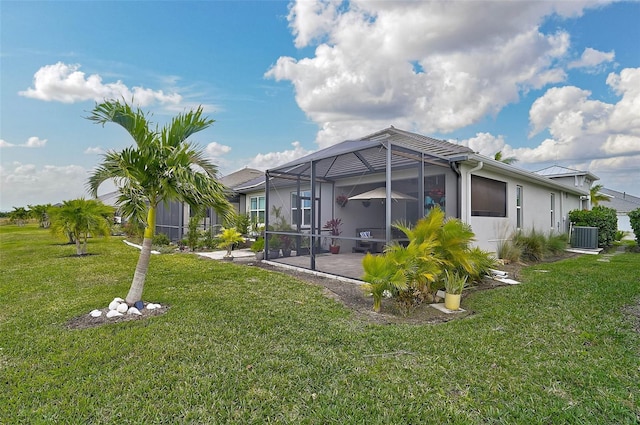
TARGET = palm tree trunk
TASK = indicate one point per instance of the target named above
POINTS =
(78, 247)
(137, 286)
(135, 292)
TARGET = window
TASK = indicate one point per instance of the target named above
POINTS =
(488, 197)
(519, 207)
(305, 208)
(256, 208)
(553, 213)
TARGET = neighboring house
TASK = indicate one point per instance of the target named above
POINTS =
(623, 203)
(412, 173)
(173, 219)
(111, 199)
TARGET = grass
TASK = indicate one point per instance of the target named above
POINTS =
(244, 345)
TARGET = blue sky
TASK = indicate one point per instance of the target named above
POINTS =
(548, 82)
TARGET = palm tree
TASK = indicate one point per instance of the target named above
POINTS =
(508, 160)
(80, 218)
(39, 212)
(19, 215)
(161, 167)
(596, 196)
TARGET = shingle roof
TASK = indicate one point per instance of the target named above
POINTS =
(620, 201)
(367, 154)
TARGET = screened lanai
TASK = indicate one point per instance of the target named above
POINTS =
(367, 185)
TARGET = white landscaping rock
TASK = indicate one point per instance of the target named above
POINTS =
(113, 313)
(118, 299)
(152, 306)
(122, 308)
(95, 313)
(113, 305)
(135, 311)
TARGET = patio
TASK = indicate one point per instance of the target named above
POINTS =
(348, 265)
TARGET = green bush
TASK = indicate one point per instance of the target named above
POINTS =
(533, 245)
(160, 239)
(634, 218)
(604, 218)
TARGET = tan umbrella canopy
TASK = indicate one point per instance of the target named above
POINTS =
(381, 193)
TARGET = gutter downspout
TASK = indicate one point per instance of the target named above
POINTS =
(456, 169)
(468, 194)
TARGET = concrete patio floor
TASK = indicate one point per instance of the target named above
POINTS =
(347, 265)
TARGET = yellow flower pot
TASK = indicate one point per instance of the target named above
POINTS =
(452, 301)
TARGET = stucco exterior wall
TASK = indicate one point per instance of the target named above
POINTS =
(536, 210)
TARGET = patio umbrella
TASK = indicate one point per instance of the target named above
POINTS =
(381, 193)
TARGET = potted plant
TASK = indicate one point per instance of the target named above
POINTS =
(334, 228)
(274, 247)
(303, 249)
(453, 284)
(229, 237)
(258, 248)
(342, 200)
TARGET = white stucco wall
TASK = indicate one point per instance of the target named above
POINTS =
(536, 210)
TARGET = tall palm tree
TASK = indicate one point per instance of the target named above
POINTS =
(510, 160)
(596, 196)
(80, 218)
(161, 167)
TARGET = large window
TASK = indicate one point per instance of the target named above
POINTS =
(488, 197)
(519, 194)
(256, 208)
(305, 208)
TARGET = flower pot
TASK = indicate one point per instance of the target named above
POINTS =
(286, 252)
(334, 249)
(452, 301)
(274, 253)
(302, 251)
(260, 255)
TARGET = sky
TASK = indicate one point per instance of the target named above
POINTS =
(549, 82)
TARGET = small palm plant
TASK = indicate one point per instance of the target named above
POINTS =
(381, 275)
(228, 238)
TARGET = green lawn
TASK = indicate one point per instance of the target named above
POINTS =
(244, 345)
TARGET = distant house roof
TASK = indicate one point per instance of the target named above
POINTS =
(241, 176)
(560, 171)
(110, 198)
(620, 201)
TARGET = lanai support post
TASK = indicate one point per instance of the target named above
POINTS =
(266, 214)
(314, 239)
(388, 196)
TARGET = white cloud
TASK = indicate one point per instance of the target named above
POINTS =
(583, 128)
(32, 142)
(97, 150)
(274, 159)
(65, 83)
(427, 66)
(215, 149)
(585, 134)
(592, 58)
(24, 184)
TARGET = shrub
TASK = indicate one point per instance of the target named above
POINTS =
(509, 251)
(532, 244)
(160, 239)
(634, 218)
(414, 272)
(556, 243)
(604, 218)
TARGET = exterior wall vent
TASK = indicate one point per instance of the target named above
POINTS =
(584, 237)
